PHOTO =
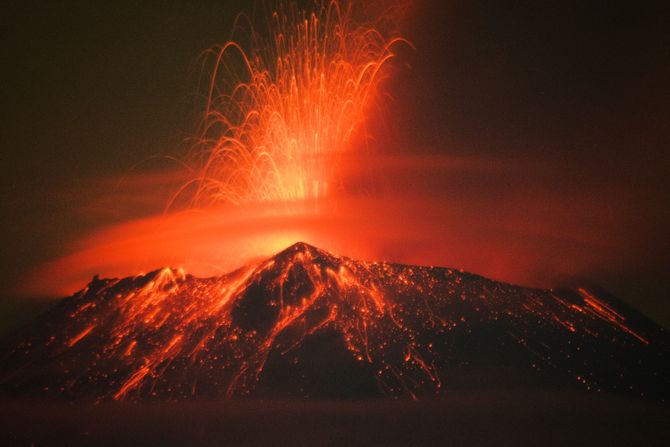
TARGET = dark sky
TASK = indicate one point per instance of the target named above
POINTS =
(583, 86)
(90, 89)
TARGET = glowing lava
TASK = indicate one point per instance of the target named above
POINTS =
(306, 323)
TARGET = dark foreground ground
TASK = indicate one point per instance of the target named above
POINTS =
(497, 418)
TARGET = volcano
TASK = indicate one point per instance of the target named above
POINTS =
(306, 323)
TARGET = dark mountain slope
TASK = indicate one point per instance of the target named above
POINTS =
(306, 323)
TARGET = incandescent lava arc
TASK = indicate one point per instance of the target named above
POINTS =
(307, 323)
(286, 98)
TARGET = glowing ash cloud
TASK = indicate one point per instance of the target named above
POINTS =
(509, 220)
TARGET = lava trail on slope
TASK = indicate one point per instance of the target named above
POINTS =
(307, 323)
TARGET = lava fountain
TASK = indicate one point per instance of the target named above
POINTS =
(285, 99)
(284, 102)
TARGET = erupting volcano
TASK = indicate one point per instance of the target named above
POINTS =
(307, 323)
(349, 222)
(383, 222)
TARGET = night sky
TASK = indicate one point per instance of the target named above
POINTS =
(575, 93)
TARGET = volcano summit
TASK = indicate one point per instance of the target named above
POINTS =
(307, 323)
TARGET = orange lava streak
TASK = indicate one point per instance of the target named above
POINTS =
(77, 338)
(134, 380)
(607, 313)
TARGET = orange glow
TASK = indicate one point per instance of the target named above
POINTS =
(527, 238)
(280, 160)
(285, 102)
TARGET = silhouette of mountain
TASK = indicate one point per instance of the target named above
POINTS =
(307, 323)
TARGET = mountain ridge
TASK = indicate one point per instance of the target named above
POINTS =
(307, 323)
